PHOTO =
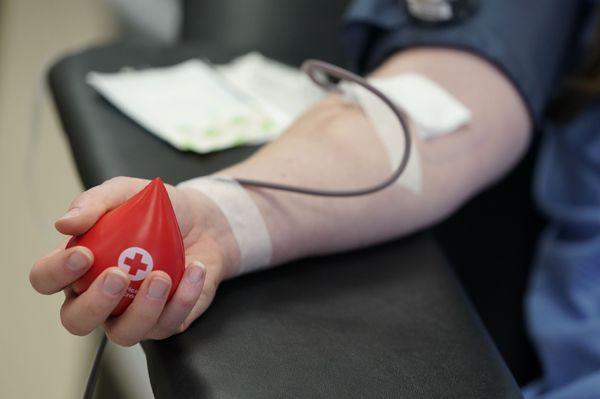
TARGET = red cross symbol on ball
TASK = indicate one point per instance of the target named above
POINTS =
(136, 262)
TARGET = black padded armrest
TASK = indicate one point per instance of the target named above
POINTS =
(389, 321)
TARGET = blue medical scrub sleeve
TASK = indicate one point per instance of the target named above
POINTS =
(533, 42)
(563, 302)
(526, 39)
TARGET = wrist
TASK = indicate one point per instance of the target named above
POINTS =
(212, 228)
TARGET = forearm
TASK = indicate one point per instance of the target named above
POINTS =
(333, 146)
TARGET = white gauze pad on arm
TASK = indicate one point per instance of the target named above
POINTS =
(433, 111)
(244, 217)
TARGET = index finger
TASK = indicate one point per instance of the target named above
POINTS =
(90, 205)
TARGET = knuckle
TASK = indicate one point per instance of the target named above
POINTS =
(84, 197)
(114, 189)
(95, 310)
(168, 329)
(146, 316)
(95, 193)
(70, 325)
(187, 302)
(114, 180)
(146, 320)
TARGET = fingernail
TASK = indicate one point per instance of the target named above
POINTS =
(194, 273)
(77, 261)
(114, 283)
(158, 288)
(71, 214)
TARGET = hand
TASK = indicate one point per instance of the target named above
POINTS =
(210, 256)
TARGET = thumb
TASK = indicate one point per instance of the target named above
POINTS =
(90, 205)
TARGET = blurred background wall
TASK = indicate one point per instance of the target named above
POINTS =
(38, 358)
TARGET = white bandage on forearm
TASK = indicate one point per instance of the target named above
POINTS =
(244, 217)
(433, 111)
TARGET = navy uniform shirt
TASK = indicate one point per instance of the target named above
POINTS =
(529, 40)
(535, 43)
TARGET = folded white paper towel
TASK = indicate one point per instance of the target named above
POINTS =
(201, 108)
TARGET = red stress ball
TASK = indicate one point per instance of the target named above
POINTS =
(139, 236)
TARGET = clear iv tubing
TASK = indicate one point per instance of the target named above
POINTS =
(320, 73)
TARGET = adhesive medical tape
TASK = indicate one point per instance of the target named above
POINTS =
(433, 110)
(244, 217)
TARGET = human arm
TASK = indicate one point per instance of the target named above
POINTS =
(332, 146)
